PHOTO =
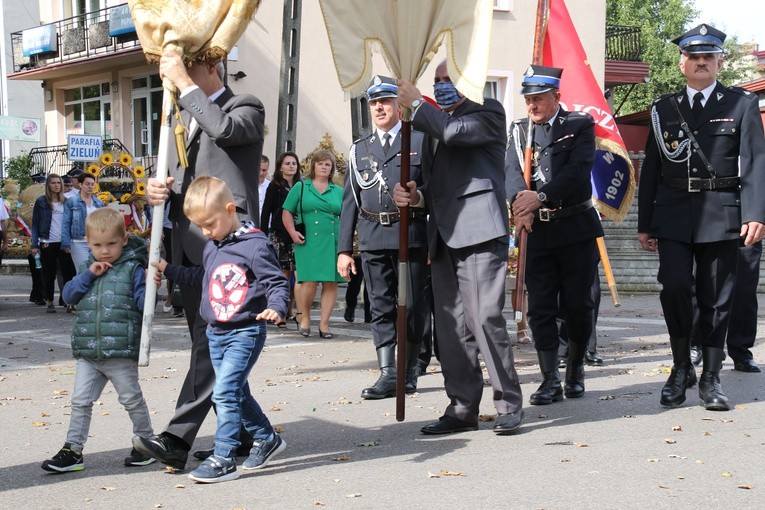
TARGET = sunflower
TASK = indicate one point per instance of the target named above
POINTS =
(140, 189)
(94, 169)
(138, 172)
(125, 198)
(105, 197)
(107, 159)
(125, 159)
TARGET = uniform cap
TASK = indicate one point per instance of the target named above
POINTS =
(701, 39)
(538, 79)
(380, 87)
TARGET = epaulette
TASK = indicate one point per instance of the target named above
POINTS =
(739, 90)
(662, 98)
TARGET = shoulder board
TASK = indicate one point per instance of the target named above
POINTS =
(662, 98)
(739, 90)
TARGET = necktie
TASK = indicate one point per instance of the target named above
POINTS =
(386, 144)
(697, 106)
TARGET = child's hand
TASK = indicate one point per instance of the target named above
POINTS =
(99, 268)
(161, 265)
(269, 315)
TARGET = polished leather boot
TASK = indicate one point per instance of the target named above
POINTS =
(683, 375)
(412, 369)
(710, 390)
(574, 387)
(385, 386)
(550, 390)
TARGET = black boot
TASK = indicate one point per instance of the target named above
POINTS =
(385, 386)
(710, 390)
(412, 367)
(550, 390)
(683, 375)
(574, 387)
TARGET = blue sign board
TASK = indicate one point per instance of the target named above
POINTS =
(38, 40)
(120, 21)
(84, 147)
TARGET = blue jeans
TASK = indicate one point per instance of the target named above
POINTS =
(233, 354)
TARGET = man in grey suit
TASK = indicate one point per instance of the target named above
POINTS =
(225, 139)
(375, 165)
(464, 193)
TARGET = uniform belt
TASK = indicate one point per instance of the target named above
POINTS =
(545, 214)
(385, 218)
(698, 184)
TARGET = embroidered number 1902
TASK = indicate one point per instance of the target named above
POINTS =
(616, 183)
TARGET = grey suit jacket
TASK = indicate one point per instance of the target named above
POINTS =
(227, 143)
(372, 235)
(463, 173)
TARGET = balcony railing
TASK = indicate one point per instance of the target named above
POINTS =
(79, 37)
(53, 158)
(623, 43)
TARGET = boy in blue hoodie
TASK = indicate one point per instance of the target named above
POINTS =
(106, 334)
(245, 288)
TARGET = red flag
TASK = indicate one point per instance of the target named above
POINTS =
(613, 176)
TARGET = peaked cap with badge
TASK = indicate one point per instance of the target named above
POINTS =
(539, 79)
(701, 39)
(381, 87)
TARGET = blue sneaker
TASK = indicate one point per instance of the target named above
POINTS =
(262, 452)
(215, 469)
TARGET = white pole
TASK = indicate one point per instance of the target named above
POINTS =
(158, 217)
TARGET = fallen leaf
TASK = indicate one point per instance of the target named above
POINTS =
(707, 434)
(342, 457)
(677, 428)
(354, 495)
(726, 474)
(653, 460)
(740, 406)
(39, 423)
(370, 443)
(105, 413)
(44, 414)
(673, 456)
(279, 428)
(486, 417)
(670, 441)
(276, 408)
(706, 418)
(452, 473)
(180, 486)
(581, 445)
(109, 489)
(565, 460)
(726, 421)
(744, 487)
(662, 486)
(431, 475)
(60, 392)
(607, 397)
(316, 502)
(158, 505)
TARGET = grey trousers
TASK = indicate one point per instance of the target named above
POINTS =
(469, 295)
(90, 379)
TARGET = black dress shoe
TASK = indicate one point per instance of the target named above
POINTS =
(746, 365)
(695, 355)
(350, 314)
(448, 425)
(242, 451)
(593, 359)
(508, 423)
(163, 448)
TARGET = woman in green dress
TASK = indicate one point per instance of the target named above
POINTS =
(316, 202)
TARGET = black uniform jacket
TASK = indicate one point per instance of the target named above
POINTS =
(566, 155)
(730, 134)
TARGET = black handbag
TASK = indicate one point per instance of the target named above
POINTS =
(300, 227)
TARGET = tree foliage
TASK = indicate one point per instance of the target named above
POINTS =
(661, 21)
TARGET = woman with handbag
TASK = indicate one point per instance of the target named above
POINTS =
(317, 201)
(285, 176)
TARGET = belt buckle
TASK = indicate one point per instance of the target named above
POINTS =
(690, 188)
(544, 214)
(384, 219)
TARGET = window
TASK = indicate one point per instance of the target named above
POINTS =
(87, 110)
(503, 5)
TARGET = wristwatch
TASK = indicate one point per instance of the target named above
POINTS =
(542, 196)
(417, 102)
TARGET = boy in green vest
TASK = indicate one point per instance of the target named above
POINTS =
(106, 334)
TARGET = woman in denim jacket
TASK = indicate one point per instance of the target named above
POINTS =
(76, 210)
(47, 219)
